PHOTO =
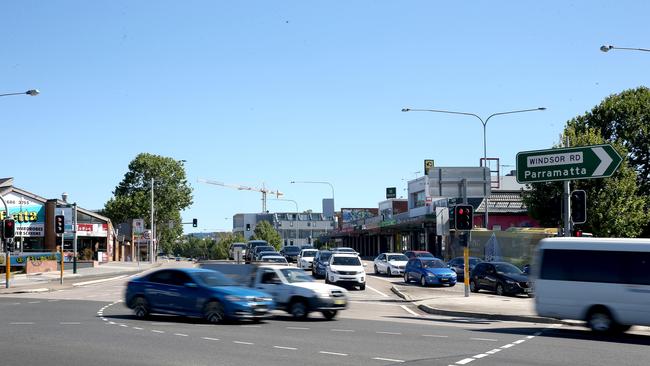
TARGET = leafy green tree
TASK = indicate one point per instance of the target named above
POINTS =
(172, 194)
(614, 206)
(625, 118)
(265, 231)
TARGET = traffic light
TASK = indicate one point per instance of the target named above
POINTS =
(195, 222)
(59, 224)
(248, 227)
(464, 217)
(8, 229)
(579, 206)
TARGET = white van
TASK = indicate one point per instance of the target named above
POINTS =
(603, 281)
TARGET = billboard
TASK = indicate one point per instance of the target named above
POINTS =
(354, 214)
(29, 215)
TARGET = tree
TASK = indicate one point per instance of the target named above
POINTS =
(221, 248)
(265, 231)
(614, 206)
(625, 118)
(172, 194)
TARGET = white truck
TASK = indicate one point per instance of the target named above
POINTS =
(292, 289)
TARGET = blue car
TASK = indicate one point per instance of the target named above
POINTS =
(320, 263)
(429, 271)
(195, 292)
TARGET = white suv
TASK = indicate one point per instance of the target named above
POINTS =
(346, 268)
(306, 258)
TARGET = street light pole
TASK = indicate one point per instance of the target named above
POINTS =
(151, 238)
(484, 122)
(30, 92)
(608, 47)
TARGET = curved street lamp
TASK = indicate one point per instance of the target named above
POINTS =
(608, 47)
(30, 92)
(484, 123)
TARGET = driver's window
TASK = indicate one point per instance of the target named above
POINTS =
(270, 277)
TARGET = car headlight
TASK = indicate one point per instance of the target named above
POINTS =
(510, 282)
(334, 271)
(266, 299)
(323, 294)
(233, 298)
(429, 274)
(360, 272)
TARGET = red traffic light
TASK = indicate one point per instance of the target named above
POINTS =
(460, 211)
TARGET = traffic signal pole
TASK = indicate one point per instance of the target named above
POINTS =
(566, 197)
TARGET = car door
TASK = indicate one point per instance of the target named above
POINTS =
(158, 291)
(478, 274)
(490, 278)
(269, 282)
(380, 262)
(183, 293)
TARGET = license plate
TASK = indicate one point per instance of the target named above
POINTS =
(339, 302)
(527, 290)
(444, 279)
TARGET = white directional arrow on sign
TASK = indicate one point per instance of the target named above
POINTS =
(605, 161)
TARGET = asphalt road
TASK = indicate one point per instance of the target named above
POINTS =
(89, 324)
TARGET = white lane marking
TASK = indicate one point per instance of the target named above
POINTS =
(530, 337)
(435, 336)
(333, 353)
(389, 333)
(507, 346)
(137, 328)
(69, 323)
(34, 302)
(111, 323)
(204, 325)
(478, 357)
(409, 310)
(465, 361)
(496, 350)
(210, 339)
(53, 300)
(181, 335)
(244, 343)
(387, 359)
(377, 291)
(97, 281)
(519, 341)
(157, 331)
(251, 326)
(124, 326)
(297, 328)
(484, 339)
(342, 330)
(22, 323)
(287, 348)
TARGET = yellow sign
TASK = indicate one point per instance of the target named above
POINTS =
(428, 165)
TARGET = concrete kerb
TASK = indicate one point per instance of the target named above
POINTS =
(505, 317)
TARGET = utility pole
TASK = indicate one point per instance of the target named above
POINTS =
(152, 232)
(566, 197)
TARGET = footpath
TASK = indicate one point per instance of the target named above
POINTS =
(451, 301)
(50, 281)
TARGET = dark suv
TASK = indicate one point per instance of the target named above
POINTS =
(290, 252)
(250, 248)
(458, 265)
(500, 277)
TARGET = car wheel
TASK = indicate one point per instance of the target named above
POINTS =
(600, 320)
(298, 309)
(473, 286)
(329, 314)
(406, 278)
(377, 270)
(423, 281)
(389, 272)
(213, 312)
(500, 291)
(327, 279)
(452, 284)
(362, 287)
(141, 307)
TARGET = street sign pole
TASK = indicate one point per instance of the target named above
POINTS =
(566, 196)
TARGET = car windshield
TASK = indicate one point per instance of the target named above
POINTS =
(345, 250)
(213, 279)
(309, 253)
(294, 275)
(264, 249)
(436, 263)
(507, 268)
(291, 250)
(474, 261)
(238, 246)
(274, 259)
(325, 256)
(424, 254)
(397, 257)
(346, 261)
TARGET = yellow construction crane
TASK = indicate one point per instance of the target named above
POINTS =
(263, 190)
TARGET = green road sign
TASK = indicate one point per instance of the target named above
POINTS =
(570, 163)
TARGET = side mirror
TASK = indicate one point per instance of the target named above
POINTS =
(191, 285)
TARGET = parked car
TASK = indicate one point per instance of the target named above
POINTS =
(307, 246)
(501, 277)
(390, 263)
(429, 271)
(458, 265)
(251, 245)
(320, 263)
(417, 254)
(259, 249)
(290, 252)
(274, 259)
(345, 268)
(344, 250)
(306, 257)
(195, 292)
(235, 246)
(293, 290)
(263, 253)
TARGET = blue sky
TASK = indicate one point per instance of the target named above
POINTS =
(273, 91)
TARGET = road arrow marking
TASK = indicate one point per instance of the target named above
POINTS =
(605, 161)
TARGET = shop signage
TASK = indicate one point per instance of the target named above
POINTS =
(29, 215)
